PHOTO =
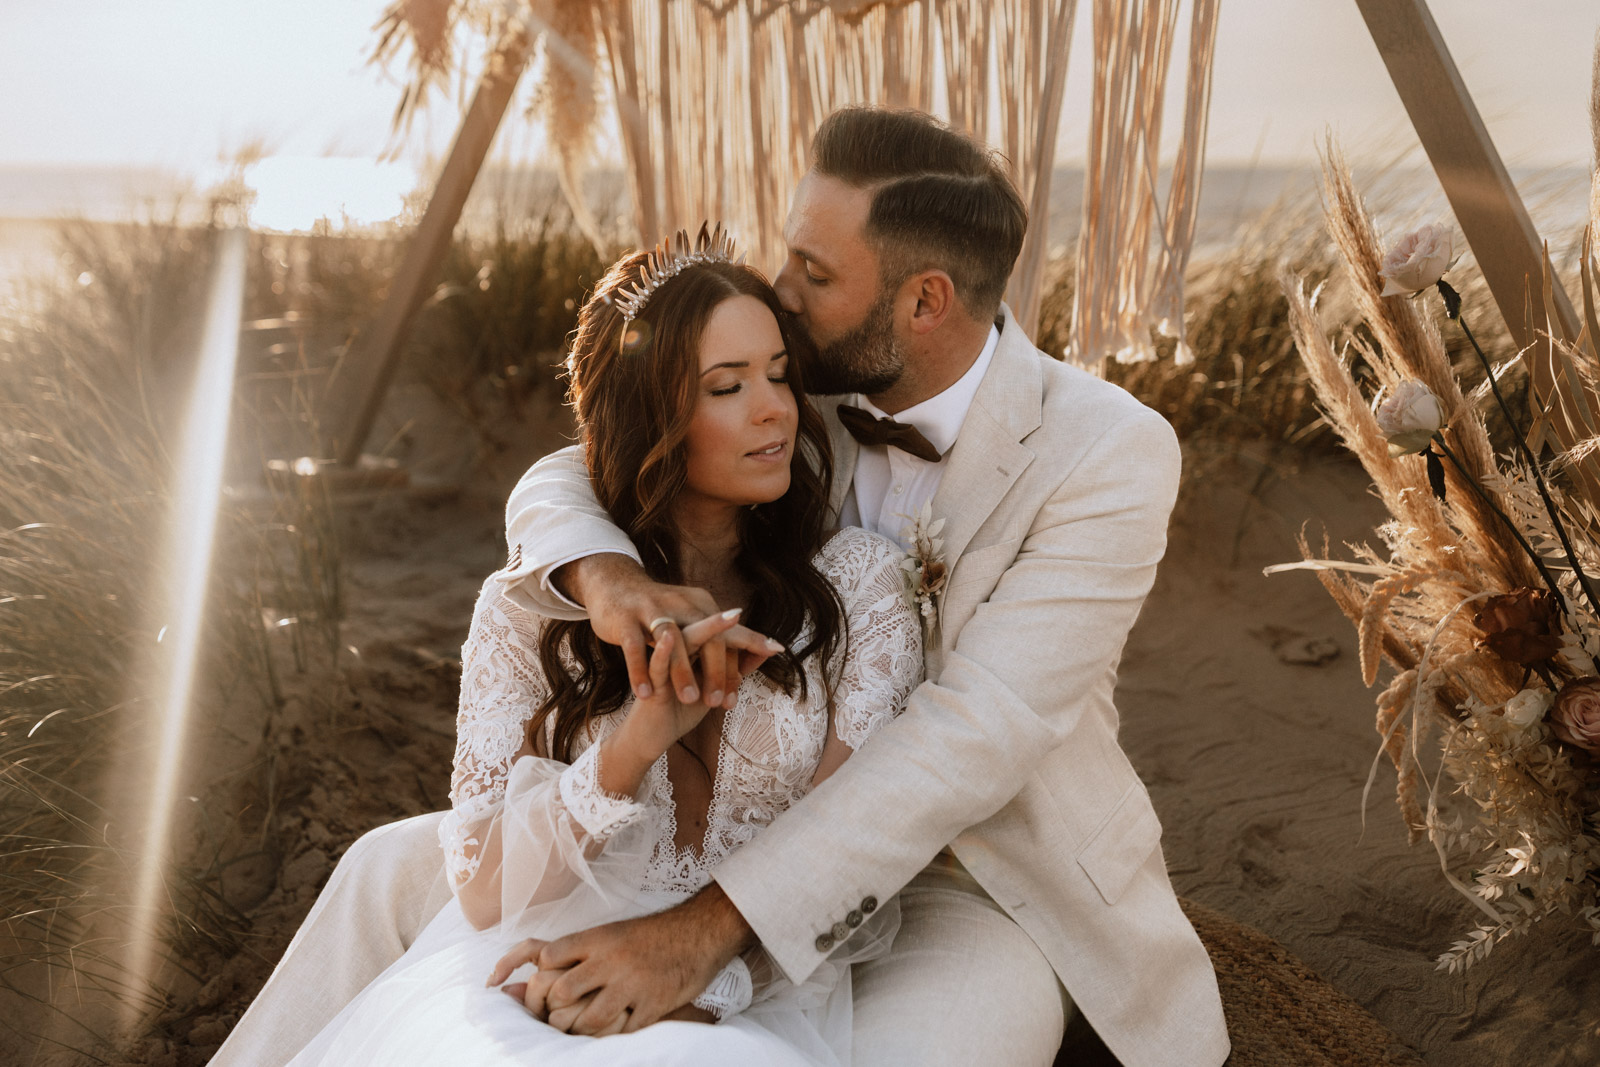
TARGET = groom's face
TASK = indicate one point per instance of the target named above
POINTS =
(831, 282)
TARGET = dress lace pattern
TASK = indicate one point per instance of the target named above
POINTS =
(598, 812)
(771, 742)
(729, 992)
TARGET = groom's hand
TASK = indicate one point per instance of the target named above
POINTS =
(643, 969)
(623, 601)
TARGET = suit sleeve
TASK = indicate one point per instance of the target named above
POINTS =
(553, 518)
(1013, 687)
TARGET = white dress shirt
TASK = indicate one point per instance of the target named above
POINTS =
(891, 486)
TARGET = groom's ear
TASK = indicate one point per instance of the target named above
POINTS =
(935, 296)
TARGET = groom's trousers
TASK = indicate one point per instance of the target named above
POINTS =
(962, 985)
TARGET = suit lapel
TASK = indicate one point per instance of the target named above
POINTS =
(988, 456)
(844, 456)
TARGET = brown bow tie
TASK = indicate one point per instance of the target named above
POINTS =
(870, 430)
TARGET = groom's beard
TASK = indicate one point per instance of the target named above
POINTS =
(865, 360)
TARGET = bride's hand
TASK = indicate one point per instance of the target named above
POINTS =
(625, 606)
(533, 994)
(660, 719)
(653, 725)
(746, 651)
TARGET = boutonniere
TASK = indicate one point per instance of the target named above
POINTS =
(924, 564)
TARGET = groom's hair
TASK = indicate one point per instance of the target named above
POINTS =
(941, 200)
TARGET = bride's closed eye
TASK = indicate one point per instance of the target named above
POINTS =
(779, 379)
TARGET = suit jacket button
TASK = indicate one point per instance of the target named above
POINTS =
(853, 920)
(824, 942)
(869, 905)
(840, 931)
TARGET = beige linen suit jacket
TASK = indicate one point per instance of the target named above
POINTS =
(1056, 501)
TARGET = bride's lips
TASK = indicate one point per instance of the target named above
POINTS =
(770, 453)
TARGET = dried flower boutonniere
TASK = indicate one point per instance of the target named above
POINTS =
(924, 564)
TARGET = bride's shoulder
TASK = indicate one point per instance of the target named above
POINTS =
(853, 550)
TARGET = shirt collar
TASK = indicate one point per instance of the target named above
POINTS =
(940, 416)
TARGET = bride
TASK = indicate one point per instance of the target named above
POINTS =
(575, 800)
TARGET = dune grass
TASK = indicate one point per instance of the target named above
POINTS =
(89, 374)
(94, 367)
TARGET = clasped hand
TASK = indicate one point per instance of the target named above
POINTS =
(623, 976)
(627, 609)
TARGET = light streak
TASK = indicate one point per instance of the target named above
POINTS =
(197, 491)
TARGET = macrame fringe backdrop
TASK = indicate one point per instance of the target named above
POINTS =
(1132, 255)
(716, 102)
(717, 121)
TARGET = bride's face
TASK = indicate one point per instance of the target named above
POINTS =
(741, 435)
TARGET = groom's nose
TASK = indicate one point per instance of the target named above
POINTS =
(787, 286)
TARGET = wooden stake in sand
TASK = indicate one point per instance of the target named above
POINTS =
(357, 390)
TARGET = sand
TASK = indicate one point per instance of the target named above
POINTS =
(1256, 767)
(1255, 757)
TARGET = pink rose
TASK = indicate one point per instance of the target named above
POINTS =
(1408, 416)
(1419, 260)
(1576, 718)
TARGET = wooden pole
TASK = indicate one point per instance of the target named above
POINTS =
(356, 392)
(1485, 201)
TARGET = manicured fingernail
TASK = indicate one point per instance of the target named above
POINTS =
(644, 691)
(714, 698)
(732, 613)
(691, 694)
(774, 645)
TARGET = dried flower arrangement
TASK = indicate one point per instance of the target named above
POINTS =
(1482, 597)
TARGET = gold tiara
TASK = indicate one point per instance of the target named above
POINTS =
(670, 258)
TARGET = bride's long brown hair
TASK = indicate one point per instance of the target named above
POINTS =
(634, 397)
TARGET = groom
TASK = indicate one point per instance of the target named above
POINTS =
(999, 805)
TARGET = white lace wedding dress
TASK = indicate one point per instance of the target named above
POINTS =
(574, 857)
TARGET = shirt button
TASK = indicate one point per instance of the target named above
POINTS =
(840, 931)
(853, 919)
(869, 905)
(899, 489)
(824, 942)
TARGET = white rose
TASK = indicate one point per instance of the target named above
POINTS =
(1419, 260)
(1527, 708)
(1409, 416)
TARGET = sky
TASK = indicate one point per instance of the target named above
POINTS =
(180, 83)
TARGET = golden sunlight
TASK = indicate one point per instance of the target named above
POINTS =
(192, 533)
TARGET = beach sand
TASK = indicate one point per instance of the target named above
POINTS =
(1256, 766)
(1255, 762)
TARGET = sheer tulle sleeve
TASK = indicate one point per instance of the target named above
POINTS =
(523, 830)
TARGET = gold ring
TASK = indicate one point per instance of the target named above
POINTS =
(664, 620)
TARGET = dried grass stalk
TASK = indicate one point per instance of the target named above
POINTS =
(1393, 702)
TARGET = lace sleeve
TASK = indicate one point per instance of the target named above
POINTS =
(530, 841)
(883, 660)
(730, 992)
(501, 685)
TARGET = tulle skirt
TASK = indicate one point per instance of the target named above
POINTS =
(431, 1007)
